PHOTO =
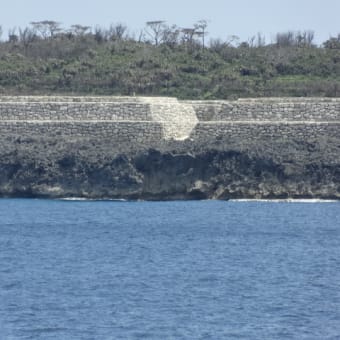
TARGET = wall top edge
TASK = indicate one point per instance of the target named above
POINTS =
(140, 99)
(268, 100)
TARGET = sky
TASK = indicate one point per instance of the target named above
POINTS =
(243, 18)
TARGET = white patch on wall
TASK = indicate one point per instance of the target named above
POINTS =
(178, 119)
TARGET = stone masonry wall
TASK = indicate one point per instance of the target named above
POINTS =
(249, 133)
(145, 120)
(269, 109)
(41, 111)
(142, 134)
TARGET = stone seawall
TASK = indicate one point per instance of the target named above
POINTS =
(270, 109)
(144, 108)
(170, 148)
(143, 134)
(177, 119)
(250, 131)
(40, 111)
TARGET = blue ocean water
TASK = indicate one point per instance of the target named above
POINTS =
(169, 270)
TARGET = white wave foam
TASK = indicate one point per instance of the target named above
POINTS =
(91, 199)
(288, 200)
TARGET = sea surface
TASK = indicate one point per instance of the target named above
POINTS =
(169, 270)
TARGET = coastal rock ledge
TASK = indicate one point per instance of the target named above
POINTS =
(165, 149)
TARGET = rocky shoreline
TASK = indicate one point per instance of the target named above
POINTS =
(155, 175)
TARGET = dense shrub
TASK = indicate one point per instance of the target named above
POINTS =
(109, 62)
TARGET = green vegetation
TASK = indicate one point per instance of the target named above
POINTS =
(165, 61)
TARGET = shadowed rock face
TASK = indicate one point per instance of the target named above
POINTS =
(168, 174)
(219, 159)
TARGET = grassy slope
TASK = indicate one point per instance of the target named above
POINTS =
(129, 67)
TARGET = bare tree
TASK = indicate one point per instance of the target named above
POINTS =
(291, 38)
(217, 45)
(305, 38)
(27, 36)
(0, 31)
(46, 28)
(232, 40)
(251, 41)
(170, 35)
(284, 39)
(155, 30)
(200, 28)
(117, 32)
(79, 30)
(260, 40)
(100, 34)
(12, 35)
(141, 36)
(188, 35)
